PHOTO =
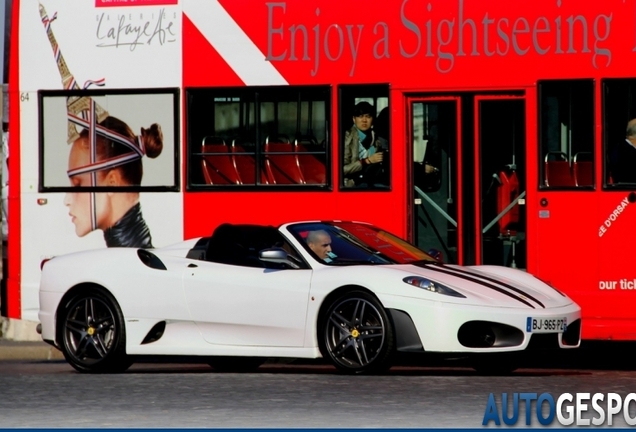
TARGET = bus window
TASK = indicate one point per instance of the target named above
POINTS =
(619, 133)
(566, 134)
(258, 137)
(364, 137)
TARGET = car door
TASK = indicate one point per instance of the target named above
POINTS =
(237, 305)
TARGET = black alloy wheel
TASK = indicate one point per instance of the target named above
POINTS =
(356, 334)
(92, 332)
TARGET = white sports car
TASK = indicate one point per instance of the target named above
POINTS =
(346, 291)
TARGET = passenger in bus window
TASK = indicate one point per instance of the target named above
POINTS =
(623, 157)
(362, 154)
(381, 129)
(117, 214)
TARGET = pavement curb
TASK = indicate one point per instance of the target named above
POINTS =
(35, 351)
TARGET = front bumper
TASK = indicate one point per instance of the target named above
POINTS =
(440, 325)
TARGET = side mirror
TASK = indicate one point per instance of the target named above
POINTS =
(276, 255)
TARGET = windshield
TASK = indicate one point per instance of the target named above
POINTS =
(349, 243)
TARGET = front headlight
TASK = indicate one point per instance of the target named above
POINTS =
(431, 286)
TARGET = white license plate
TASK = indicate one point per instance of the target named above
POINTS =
(546, 325)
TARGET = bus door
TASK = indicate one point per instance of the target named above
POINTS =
(434, 130)
(499, 180)
(467, 177)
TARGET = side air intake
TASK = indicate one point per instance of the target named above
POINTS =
(155, 333)
(485, 334)
(150, 259)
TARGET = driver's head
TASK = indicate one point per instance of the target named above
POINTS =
(319, 242)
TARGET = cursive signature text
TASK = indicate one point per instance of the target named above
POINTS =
(126, 33)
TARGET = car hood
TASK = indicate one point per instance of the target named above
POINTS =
(493, 285)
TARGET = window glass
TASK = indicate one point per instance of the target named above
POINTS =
(566, 134)
(365, 138)
(619, 134)
(258, 137)
(353, 243)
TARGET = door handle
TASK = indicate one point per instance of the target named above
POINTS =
(192, 266)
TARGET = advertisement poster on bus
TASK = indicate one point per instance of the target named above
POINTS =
(108, 135)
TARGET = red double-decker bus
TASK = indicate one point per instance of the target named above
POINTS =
(504, 131)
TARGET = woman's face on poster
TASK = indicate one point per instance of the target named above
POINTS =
(81, 204)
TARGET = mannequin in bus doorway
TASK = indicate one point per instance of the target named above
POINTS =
(623, 158)
(363, 152)
(118, 162)
(426, 173)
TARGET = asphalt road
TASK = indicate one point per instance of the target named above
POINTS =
(49, 393)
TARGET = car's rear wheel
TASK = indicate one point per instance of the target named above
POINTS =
(356, 335)
(93, 338)
(236, 364)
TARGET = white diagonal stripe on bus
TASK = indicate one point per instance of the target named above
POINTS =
(231, 42)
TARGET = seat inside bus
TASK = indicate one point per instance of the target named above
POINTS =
(218, 166)
(281, 162)
(314, 171)
(244, 157)
(583, 169)
(557, 170)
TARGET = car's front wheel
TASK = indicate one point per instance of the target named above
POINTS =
(356, 335)
(93, 338)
